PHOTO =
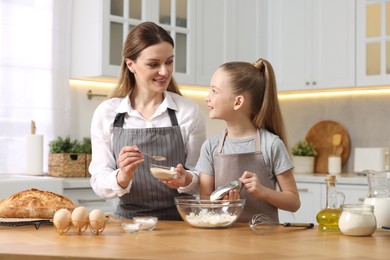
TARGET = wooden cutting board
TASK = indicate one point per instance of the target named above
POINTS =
(321, 135)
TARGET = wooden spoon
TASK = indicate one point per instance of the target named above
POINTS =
(336, 141)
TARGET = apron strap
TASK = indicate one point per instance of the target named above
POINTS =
(119, 119)
(223, 137)
(172, 116)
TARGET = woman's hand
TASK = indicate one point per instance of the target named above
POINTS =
(252, 185)
(128, 160)
(183, 178)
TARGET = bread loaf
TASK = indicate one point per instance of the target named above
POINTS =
(34, 203)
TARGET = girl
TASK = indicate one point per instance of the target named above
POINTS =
(252, 147)
(145, 113)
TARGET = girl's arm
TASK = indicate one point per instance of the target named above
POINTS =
(286, 199)
(206, 184)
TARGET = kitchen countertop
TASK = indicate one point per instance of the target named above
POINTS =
(84, 182)
(177, 240)
(343, 178)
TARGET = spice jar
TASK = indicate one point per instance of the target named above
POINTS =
(357, 220)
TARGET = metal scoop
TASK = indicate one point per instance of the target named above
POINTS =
(261, 224)
(221, 191)
(155, 157)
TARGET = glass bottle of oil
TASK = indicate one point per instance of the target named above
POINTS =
(328, 217)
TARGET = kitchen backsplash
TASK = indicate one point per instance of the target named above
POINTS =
(365, 117)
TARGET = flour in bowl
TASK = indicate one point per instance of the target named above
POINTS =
(204, 219)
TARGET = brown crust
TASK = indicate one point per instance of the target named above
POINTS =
(34, 203)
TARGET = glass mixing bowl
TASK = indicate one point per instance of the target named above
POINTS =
(204, 213)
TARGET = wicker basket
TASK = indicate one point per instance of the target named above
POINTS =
(67, 164)
(88, 159)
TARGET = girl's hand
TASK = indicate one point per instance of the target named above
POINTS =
(183, 178)
(252, 185)
(232, 195)
(128, 160)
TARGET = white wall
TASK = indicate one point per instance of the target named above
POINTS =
(366, 118)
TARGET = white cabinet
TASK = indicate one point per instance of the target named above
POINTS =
(313, 199)
(11, 184)
(311, 196)
(86, 197)
(312, 43)
(373, 42)
(90, 40)
(100, 28)
(227, 30)
(354, 194)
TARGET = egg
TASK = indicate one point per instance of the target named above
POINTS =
(62, 219)
(80, 217)
(97, 219)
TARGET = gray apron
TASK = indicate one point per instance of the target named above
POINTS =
(148, 196)
(230, 167)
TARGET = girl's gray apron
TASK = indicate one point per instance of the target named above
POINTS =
(230, 167)
(148, 196)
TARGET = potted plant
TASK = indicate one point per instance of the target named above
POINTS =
(67, 158)
(304, 157)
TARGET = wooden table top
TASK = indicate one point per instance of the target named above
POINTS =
(177, 240)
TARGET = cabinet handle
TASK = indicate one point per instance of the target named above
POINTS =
(91, 201)
(303, 190)
(361, 199)
(314, 83)
(307, 83)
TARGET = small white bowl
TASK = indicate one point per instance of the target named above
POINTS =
(147, 223)
(162, 172)
(131, 228)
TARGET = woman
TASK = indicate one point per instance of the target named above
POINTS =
(147, 113)
(252, 148)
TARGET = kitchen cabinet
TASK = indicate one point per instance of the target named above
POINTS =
(79, 190)
(85, 197)
(206, 34)
(312, 43)
(11, 184)
(312, 192)
(354, 194)
(311, 196)
(373, 42)
(100, 28)
(227, 30)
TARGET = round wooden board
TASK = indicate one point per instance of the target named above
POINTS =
(321, 135)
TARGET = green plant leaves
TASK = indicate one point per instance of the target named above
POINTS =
(304, 148)
(67, 145)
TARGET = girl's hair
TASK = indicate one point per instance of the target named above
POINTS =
(258, 81)
(139, 38)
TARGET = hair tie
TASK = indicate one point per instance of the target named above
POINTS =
(259, 64)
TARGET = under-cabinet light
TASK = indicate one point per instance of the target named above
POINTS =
(203, 91)
(335, 93)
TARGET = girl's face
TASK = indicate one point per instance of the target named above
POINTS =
(153, 68)
(220, 100)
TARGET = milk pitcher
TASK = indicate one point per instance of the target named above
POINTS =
(379, 196)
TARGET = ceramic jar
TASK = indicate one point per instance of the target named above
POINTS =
(357, 220)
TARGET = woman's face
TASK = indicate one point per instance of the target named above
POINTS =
(220, 100)
(153, 68)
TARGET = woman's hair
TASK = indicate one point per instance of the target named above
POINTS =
(258, 81)
(139, 38)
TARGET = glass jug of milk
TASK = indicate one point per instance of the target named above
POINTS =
(379, 196)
